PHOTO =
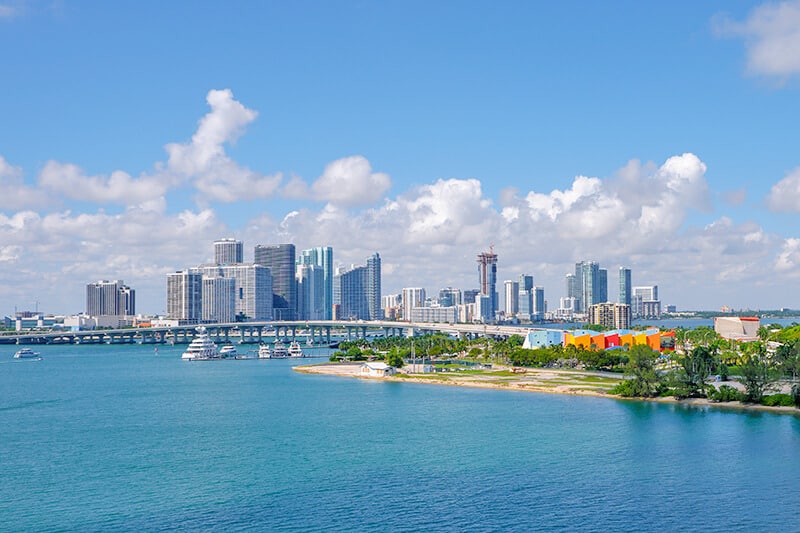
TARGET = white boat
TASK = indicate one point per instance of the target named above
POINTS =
(295, 350)
(201, 348)
(279, 351)
(264, 352)
(229, 350)
(26, 353)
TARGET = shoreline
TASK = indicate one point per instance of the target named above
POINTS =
(485, 381)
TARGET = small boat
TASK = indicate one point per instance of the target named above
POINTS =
(264, 352)
(228, 350)
(202, 348)
(295, 350)
(279, 351)
(26, 353)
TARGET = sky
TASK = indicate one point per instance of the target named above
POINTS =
(658, 136)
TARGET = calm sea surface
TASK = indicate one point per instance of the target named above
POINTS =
(117, 438)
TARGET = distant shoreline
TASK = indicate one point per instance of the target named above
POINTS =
(548, 381)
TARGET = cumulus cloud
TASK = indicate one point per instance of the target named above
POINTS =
(350, 182)
(16, 194)
(204, 161)
(788, 259)
(772, 38)
(784, 196)
(71, 181)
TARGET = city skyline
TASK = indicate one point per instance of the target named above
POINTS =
(656, 137)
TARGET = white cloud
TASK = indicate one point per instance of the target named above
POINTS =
(350, 182)
(788, 259)
(204, 161)
(15, 194)
(785, 195)
(772, 38)
(71, 181)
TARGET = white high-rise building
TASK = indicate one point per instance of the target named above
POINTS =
(228, 252)
(412, 297)
(512, 297)
(185, 296)
(252, 288)
(219, 301)
(310, 292)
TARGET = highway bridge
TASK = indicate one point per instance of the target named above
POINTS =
(320, 332)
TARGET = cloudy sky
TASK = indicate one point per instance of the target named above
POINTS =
(659, 136)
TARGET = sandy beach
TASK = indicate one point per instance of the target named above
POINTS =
(542, 380)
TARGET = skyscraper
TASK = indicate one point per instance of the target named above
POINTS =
(412, 297)
(310, 292)
(228, 252)
(525, 297)
(487, 278)
(252, 288)
(219, 299)
(538, 303)
(625, 286)
(322, 257)
(110, 298)
(374, 287)
(350, 290)
(511, 289)
(280, 259)
(589, 285)
(184, 296)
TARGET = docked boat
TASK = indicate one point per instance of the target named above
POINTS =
(26, 353)
(295, 350)
(264, 352)
(201, 348)
(279, 351)
(229, 350)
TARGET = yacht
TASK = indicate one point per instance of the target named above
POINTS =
(279, 350)
(264, 352)
(201, 348)
(229, 350)
(26, 353)
(295, 350)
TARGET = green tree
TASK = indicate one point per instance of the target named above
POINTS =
(694, 369)
(394, 359)
(643, 380)
(757, 376)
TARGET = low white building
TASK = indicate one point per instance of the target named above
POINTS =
(377, 369)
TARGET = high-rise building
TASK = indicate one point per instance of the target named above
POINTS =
(252, 288)
(374, 287)
(110, 298)
(228, 252)
(412, 297)
(185, 296)
(589, 285)
(487, 278)
(322, 257)
(280, 259)
(646, 302)
(625, 287)
(610, 315)
(539, 306)
(219, 299)
(350, 293)
(310, 292)
(449, 296)
(470, 295)
(511, 290)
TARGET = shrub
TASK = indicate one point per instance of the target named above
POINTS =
(726, 393)
(778, 399)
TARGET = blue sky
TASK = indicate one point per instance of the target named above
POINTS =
(657, 136)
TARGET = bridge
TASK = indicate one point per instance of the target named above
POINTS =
(319, 332)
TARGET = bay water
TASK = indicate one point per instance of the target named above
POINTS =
(120, 438)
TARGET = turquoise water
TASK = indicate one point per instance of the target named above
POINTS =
(116, 438)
